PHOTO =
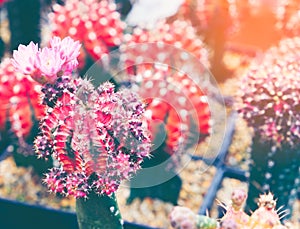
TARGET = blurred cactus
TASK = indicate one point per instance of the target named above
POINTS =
(235, 212)
(177, 108)
(96, 24)
(270, 104)
(184, 218)
(20, 112)
(170, 34)
(264, 217)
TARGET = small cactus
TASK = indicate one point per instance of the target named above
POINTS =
(205, 222)
(228, 224)
(265, 217)
(184, 218)
(235, 211)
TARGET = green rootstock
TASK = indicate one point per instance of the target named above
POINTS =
(98, 212)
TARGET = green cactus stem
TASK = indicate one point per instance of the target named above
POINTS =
(98, 212)
(275, 170)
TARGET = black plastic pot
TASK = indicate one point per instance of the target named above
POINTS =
(15, 215)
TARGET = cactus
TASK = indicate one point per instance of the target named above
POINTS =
(171, 34)
(265, 217)
(270, 105)
(96, 24)
(162, 86)
(97, 136)
(20, 112)
(177, 109)
(184, 218)
(235, 212)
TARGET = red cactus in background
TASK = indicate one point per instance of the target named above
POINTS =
(96, 24)
(179, 33)
(270, 95)
(174, 99)
(172, 96)
(269, 102)
(20, 101)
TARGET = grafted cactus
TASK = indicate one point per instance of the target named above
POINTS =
(270, 104)
(97, 135)
(177, 107)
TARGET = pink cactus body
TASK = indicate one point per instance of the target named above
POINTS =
(183, 218)
(235, 210)
(265, 216)
(98, 137)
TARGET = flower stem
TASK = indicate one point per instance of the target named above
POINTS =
(98, 212)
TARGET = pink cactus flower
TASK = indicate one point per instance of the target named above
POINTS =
(67, 47)
(49, 62)
(24, 58)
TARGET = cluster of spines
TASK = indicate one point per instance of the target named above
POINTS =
(269, 95)
(51, 92)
